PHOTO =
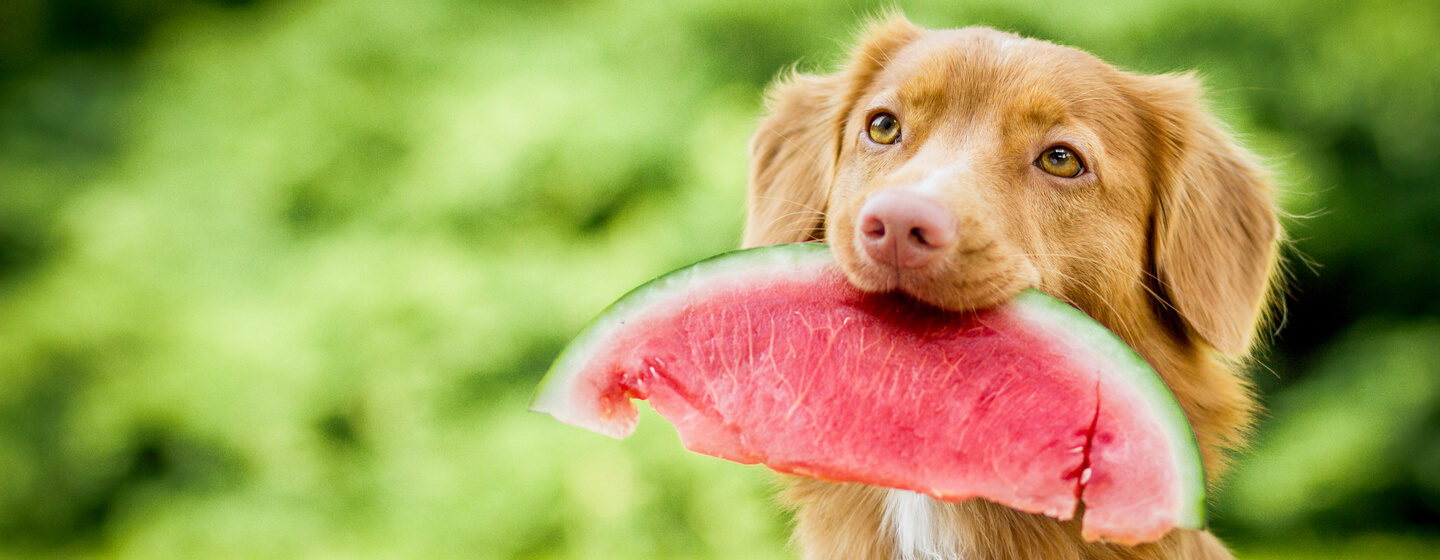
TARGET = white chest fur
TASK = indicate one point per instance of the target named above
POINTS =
(921, 529)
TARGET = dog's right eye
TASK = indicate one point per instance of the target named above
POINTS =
(1061, 162)
(884, 128)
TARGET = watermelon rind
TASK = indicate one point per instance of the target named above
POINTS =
(553, 397)
(1135, 372)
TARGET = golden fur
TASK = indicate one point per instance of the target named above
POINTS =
(1169, 237)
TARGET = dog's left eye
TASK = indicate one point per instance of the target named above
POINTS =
(1061, 162)
(884, 128)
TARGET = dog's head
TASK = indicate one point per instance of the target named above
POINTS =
(963, 166)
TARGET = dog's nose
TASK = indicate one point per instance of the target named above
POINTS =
(904, 229)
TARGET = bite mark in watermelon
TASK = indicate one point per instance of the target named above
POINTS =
(769, 356)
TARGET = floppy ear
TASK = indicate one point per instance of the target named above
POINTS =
(794, 153)
(1215, 226)
(792, 161)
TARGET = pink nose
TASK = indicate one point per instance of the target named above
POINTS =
(904, 230)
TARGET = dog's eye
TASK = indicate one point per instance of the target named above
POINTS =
(1061, 162)
(884, 128)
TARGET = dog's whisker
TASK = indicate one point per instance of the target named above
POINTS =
(1123, 319)
(792, 201)
(1111, 266)
(1100, 296)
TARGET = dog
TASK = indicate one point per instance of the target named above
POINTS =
(963, 166)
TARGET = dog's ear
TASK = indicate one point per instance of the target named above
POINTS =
(1215, 226)
(792, 161)
(794, 153)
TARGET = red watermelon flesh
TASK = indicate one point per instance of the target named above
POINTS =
(770, 356)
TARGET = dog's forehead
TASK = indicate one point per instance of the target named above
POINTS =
(981, 63)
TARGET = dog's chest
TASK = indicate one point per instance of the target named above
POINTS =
(921, 529)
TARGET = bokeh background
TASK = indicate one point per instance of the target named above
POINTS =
(277, 277)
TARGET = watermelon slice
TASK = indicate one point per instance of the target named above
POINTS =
(769, 356)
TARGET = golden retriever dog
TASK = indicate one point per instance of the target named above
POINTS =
(962, 166)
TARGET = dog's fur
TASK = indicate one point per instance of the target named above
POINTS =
(1169, 238)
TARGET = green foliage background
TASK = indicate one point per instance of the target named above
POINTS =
(277, 278)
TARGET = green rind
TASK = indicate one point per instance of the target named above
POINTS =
(1138, 373)
(549, 395)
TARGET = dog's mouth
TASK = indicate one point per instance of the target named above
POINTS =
(898, 241)
(942, 289)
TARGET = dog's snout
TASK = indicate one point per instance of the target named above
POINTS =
(904, 229)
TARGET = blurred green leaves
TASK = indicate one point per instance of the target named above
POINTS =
(1362, 423)
(276, 278)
